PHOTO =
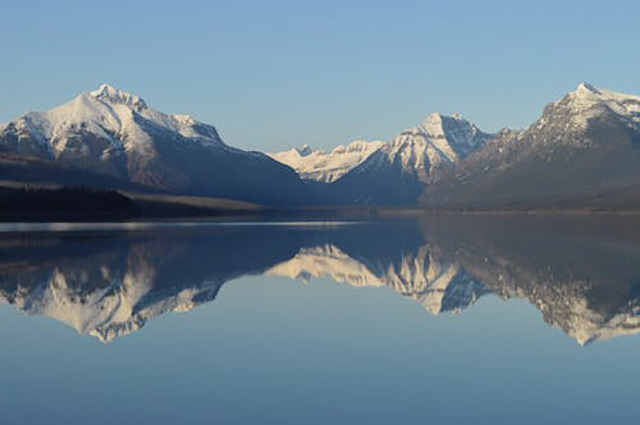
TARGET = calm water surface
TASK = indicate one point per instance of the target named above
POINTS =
(508, 320)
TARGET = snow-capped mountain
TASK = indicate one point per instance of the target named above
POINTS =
(423, 150)
(116, 135)
(394, 172)
(583, 152)
(398, 172)
(318, 165)
(588, 102)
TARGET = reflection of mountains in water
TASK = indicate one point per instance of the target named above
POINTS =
(581, 273)
(109, 285)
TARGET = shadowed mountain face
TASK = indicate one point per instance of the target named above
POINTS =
(582, 274)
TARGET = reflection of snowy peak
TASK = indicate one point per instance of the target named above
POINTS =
(110, 285)
(438, 287)
(107, 297)
(581, 273)
(564, 302)
(107, 313)
(326, 261)
(586, 325)
(326, 167)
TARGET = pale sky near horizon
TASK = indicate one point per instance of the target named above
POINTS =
(271, 75)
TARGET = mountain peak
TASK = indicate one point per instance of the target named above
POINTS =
(586, 87)
(439, 120)
(437, 125)
(588, 100)
(587, 91)
(434, 118)
(304, 150)
(105, 88)
(110, 94)
(318, 165)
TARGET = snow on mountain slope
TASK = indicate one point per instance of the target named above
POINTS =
(420, 151)
(110, 114)
(567, 120)
(587, 101)
(415, 157)
(326, 167)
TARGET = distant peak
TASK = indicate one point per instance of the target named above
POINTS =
(110, 94)
(434, 118)
(438, 118)
(586, 88)
(437, 124)
(105, 89)
(304, 150)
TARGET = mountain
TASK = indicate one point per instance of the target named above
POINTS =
(399, 171)
(113, 139)
(583, 152)
(320, 166)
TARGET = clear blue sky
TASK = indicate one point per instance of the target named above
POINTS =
(275, 74)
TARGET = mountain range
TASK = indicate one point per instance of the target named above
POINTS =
(583, 152)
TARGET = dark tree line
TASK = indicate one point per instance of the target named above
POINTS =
(76, 203)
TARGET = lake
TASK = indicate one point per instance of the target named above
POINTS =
(450, 319)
